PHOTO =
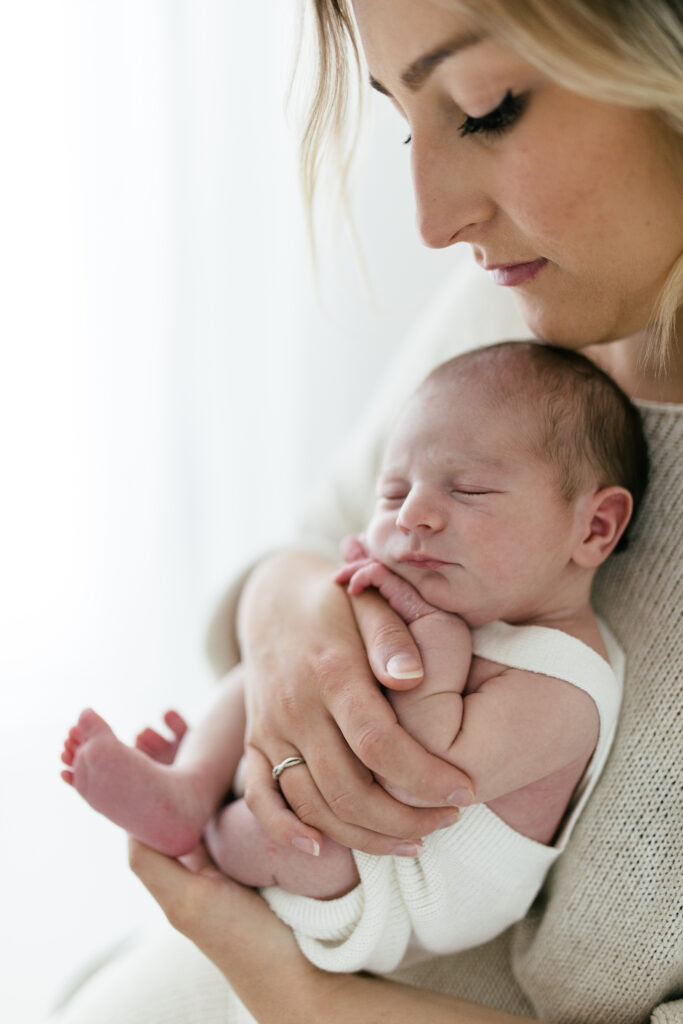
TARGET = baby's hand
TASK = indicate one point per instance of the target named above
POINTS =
(347, 570)
(353, 548)
(355, 555)
(401, 596)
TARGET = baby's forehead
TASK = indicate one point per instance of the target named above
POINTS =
(441, 425)
(489, 405)
(473, 392)
(490, 376)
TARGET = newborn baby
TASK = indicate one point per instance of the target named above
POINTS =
(510, 476)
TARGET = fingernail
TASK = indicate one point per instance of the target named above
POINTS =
(461, 798)
(450, 820)
(211, 872)
(404, 666)
(306, 846)
(406, 850)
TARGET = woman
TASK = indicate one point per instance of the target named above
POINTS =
(547, 135)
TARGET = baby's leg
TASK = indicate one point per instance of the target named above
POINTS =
(166, 806)
(242, 850)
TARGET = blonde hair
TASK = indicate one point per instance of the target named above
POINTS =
(628, 52)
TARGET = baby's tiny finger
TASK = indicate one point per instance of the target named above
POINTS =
(352, 548)
(343, 573)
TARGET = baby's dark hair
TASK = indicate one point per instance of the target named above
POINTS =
(584, 416)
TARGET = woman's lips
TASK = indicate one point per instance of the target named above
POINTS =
(515, 273)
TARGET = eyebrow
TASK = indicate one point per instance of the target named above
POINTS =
(416, 74)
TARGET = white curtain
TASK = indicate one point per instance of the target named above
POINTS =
(171, 386)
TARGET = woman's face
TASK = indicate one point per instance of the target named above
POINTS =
(573, 203)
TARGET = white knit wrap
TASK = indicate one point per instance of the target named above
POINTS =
(470, 881)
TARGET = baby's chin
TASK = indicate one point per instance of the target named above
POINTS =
(433, 586)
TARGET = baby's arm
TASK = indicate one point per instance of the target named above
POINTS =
(521, 727)
(432, 711)
(517, 728)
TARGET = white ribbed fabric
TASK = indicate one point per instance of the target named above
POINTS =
(498, 641)
(473, 880)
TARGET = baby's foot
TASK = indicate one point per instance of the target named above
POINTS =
(157, 804)
(156, 746)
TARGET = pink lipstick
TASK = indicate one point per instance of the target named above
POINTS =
(512, 274)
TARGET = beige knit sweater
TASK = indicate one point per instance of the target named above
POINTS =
(603, 944)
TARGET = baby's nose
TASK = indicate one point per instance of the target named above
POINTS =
(420, 511)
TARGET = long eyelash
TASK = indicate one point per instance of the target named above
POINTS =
(496, 121)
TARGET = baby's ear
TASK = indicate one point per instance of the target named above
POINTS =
(605, 516)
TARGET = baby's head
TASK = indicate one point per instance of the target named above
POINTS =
(510, 476)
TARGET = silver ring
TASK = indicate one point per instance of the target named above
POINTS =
(289, 762)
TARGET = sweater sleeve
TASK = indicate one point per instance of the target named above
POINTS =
(668, 1013)
(466, 313)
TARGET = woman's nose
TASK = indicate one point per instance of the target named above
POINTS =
(451, 202)
(421, 511)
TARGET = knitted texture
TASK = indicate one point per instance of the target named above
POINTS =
(472, 880)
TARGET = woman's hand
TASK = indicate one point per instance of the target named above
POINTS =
(232, 926)
(311, 691)
(259, 956)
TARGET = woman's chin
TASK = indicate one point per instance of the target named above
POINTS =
(550, 326)
(558, 323)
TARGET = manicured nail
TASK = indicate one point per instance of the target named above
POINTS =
(306, 846)
(404, 666)
(450, 820)
(406, 850)
(461, 798)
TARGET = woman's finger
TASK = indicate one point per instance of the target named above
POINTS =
(393, 655)
(361, 802)
(335, 792)
(395, 756)
(286, 819)
(369, 727)
(179, 892)
(230, 923)
(264, 799)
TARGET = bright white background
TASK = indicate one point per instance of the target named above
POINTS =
(169, 388)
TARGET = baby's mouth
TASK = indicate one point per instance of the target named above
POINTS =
(422, 562)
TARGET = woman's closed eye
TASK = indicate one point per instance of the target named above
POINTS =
(497, 121)
(502, 117)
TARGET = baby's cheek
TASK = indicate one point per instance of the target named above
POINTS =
(377, 537)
